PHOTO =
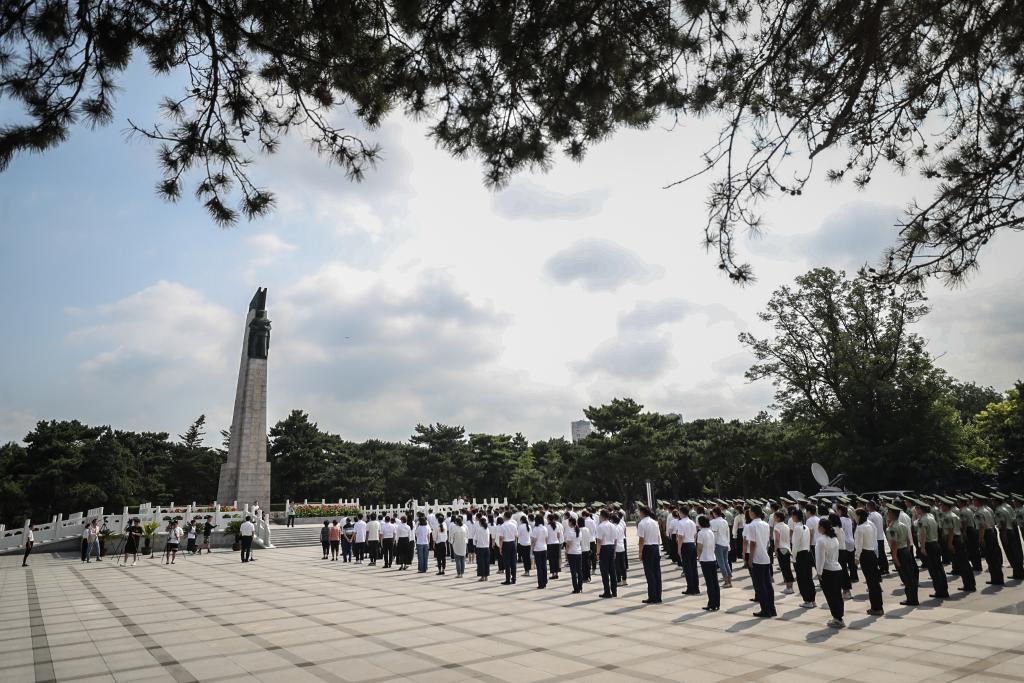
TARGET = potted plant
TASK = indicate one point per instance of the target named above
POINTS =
(235, 529)
(148, 531)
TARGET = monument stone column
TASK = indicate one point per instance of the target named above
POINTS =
(245, 476)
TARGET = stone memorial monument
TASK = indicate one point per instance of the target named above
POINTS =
(245, 477)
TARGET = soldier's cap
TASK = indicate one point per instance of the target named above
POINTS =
(999, 496)
(944, 500)
(885, 499)
(979, 496)
(843, 499)
(1017, 497)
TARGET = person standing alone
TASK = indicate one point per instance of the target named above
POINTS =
(246, 532)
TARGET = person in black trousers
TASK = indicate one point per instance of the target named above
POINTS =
(648, 533)
(826, 557)
(758, 537)
(898, 536)
(539, 542)
(708, 563)
(508, 535)
(953, 540)
(804, 561)
(931, 551)
(606, 555)
(30, 540)
(325, 538)
(865, 540)
(523, 543)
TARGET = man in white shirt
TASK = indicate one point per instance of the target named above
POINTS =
(686, 531)
(373, 538)
(649, 534)
(508, 534)
(591, 524)
(758, 534)
(387, 542)
(875, 517)
(720, 527)
(246, 532)
(606, 555)
(359, 531)
(30, 540)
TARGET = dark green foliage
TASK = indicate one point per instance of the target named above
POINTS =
(929, 87)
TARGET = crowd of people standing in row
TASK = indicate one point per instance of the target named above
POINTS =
(819, 545)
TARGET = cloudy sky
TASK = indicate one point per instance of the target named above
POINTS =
(418, 295)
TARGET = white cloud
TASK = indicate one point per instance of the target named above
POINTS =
(600, 265)
(527, 200)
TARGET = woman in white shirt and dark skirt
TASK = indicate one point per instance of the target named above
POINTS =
(555, 532)
(539, 538)
(574, 553)
(483, 548)
(440, 538)
(800, 542)
(830, 572)
(523, 543)
(708, 563)
(404, 550)
(865, 543)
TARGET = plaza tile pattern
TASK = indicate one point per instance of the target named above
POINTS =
(293, 617)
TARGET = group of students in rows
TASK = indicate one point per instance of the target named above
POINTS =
(537, 538)
(819, 545)
(831, 540)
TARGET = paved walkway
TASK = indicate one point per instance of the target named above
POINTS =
(293, 617)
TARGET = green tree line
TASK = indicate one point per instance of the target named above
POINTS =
(856, 390)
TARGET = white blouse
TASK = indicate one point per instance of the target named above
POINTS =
(864, 539)
(826, 554)
(782, 529)
(524, 534)
(801, 539)
(572, 542)
(706, 541)
(459, 538)
(539, 534)
(422, 534)
(482, 537)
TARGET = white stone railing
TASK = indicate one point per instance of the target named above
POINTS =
(60, 528)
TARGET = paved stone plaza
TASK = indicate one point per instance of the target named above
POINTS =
(293, 617)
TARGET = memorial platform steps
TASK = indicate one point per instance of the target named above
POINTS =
(295, 536)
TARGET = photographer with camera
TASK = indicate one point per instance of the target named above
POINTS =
(132, 535)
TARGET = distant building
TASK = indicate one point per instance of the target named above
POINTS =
(580, 429)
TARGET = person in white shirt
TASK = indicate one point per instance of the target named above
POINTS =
(758, 537)
(404, 548)
(459, 537)
(586, 543)
(174, 534)
(471, 531)
(649, 538)
(555, 538)
(246, 532)
(524, 543)
(618, 518)
(359, 536)
(591, 524)
(508, 535)
(439, 536)
(830, 572)
(720, 526)
(686, 536)
(738, 521)
(847, 558)
(373, 539)
(875, 517)
(606, 555)
(574, 553)
(30, 540)
(539, 536)
(672, 531)
(387, 541)
(422, 537)
(483, 548)
(781, 534)
(812, 525)
(865, 546)
(800, 541)
(708, 563)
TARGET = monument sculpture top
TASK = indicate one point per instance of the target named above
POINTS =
(245, 477)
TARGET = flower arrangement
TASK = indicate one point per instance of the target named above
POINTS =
(324, 510)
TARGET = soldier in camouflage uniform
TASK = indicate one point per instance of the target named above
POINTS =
(954, 543)
(989, 541)
(1006, 523)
